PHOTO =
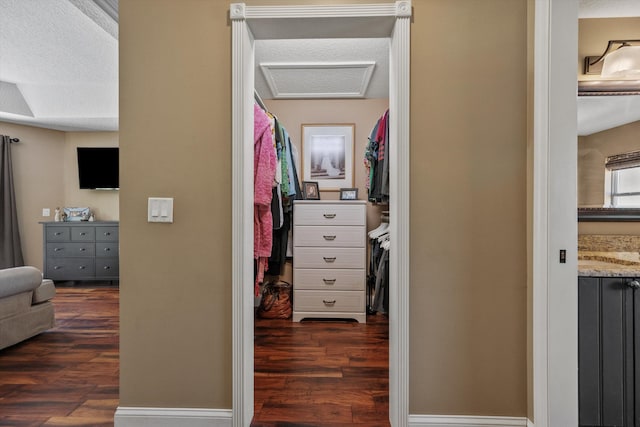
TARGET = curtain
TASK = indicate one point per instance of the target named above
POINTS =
(10, 248)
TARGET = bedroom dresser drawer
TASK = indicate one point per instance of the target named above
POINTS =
(345, 236)
(336, 279)
(329, 258)
(331, 301)
(336, 213)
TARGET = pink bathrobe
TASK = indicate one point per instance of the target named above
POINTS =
(264, 172)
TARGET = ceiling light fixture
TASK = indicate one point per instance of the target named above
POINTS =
(624, 62)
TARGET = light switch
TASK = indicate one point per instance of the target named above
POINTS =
(160, 209)
(46, 212)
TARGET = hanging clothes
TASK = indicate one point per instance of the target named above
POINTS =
(276, 185)
(264, 170)
(376, 159)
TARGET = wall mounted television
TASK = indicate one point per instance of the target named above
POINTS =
(98, 168)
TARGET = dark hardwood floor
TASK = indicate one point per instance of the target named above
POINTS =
(313, 373)
(67, 376)
(321, 373)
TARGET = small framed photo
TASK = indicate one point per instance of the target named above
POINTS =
(310, 190)
(348, 194)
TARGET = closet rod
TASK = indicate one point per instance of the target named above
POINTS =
(259, 100)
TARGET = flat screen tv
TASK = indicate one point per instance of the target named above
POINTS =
(98, 168)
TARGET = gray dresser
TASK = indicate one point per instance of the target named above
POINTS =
(81, 250)
(329, 251)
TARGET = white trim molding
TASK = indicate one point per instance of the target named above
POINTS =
(466, 421)
(244, 20)
(351, 86)
(171, 417)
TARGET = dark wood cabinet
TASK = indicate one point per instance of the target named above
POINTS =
(608, 351)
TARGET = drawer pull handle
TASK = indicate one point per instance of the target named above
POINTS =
(58, 233)
(57, 249)
(107, 249)
(329, 259)
(82, 249)
(83, 233)
(56, 267)
(329, 302)
(633, 284)
(329, 237)
(329, 216)
(106, 233)
(329, 281)
(106, 267)
(82, 267)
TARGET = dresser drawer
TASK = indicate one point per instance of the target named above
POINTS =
(84, 234)
(329, 301)
(325, 279)
(59, 250)
(331, 236)
(58, 234)
(107, 234)
(70, 268)
(107, 249)
(330, 214)
(329, 257)
(107, 267)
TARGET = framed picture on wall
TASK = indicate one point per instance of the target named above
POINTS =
(327, 155)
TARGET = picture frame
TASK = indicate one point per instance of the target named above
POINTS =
(76, 214)
(348, 194)
(328, 155)
(310, 190)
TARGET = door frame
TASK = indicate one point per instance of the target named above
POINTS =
(554, 319)
(242, 18)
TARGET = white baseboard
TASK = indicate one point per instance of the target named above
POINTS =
(466, 421)
(172, 417)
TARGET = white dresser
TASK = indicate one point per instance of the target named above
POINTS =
(329, 266)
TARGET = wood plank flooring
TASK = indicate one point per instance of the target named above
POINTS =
(308, 374)
(321, 373)
(67, 376)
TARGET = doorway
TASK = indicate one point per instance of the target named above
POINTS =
(346, 21)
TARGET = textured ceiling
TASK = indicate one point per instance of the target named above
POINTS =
(61, 59)
(608, 8)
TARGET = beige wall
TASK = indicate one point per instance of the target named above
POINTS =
(468, 208)
(468, 205)
(46, 176)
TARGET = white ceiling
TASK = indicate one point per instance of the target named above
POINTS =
(59, 66)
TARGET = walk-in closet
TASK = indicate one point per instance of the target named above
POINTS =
(321, 197)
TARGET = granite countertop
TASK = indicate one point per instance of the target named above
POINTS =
(608, 264)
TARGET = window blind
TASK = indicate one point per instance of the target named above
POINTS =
(623, 161)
